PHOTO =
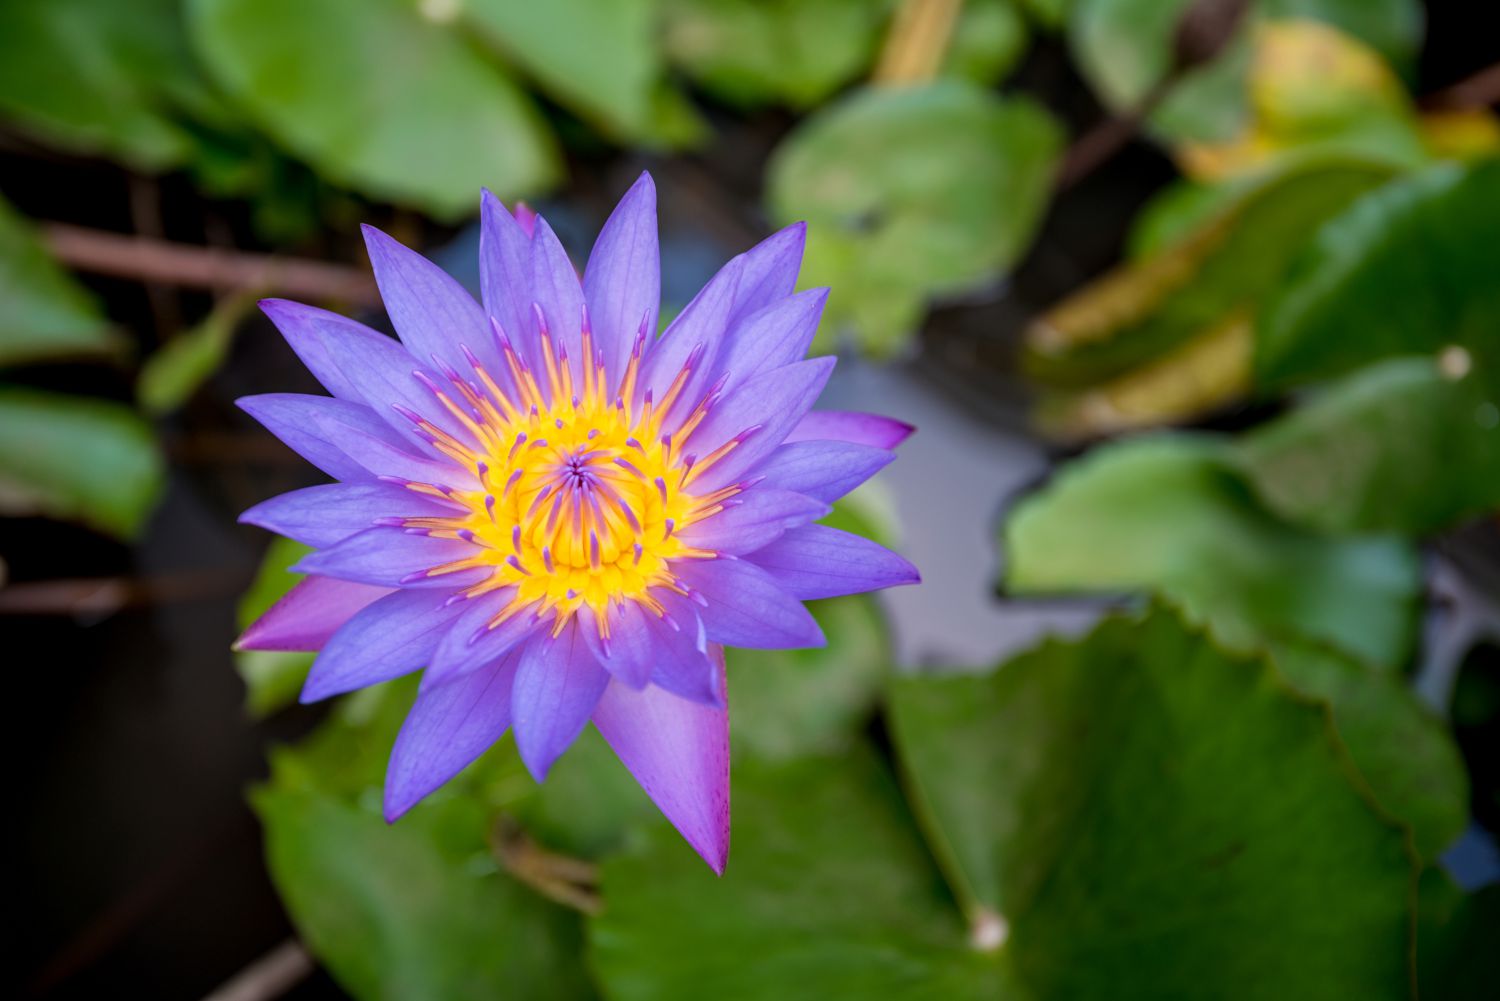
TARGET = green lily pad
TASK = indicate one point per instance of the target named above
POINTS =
(176, 371)
(1406, 270)
(1153, 817)
(1400, 446)
(1169, 514)
(911, 192)
(988, 42)
(756, 52)
(78, 458)
(44, 314)
(401, 108)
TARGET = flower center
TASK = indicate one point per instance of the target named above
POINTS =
(580, 495)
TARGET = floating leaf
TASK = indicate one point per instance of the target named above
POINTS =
(1403, 751)
(910, 192)
(755, 52)
(988, 42)
(829, 894)
(272, 678)
(176, 371)
(1170, 514)
(1401, 446)
(600, 58)
(44, 314)
(379, 98)
(77, 458)
(1153, 817)
(1406, 270)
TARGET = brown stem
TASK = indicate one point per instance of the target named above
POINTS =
(568, 881)
(97, 597)
(182, 264)
(917, 42)
(270, 976)
(1479, 90)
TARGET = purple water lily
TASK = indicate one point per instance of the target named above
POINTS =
(557, 514)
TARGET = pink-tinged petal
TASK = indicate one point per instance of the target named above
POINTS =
(394, 635)
(314, 334)
(774, 336)
(526, 218)
(753, 519)
(849, 425)
(448, 727)
(555, 289)
(815, 561)
(393, 557)
(622, 282)
(743, 606)
(558, 683)
(309, 614)
(323, 515)
(693, 339)
(432, 313)
(505, 269)
(473, 644)
(363, 366)
(679, 752)
(825, 470)
(759, 413)
(297, 421)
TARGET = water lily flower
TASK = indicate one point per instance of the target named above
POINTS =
(560, 516)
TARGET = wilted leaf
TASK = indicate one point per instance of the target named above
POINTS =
(1401, 446)
(1407, 270)
(272, 678)
(1155, 818)
(754, 52)
(44, 314)
(77, 458)
(910, 192)
(1170, 514)
(379, 98)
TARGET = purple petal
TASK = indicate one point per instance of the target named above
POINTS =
(697, 331)
(555, 288)
(377, 451)
(752, 520)
(448, 727)
(392, 557)
(745, 607)
(471, 644)
(431, 312)
(391, 637)
(684, 661)
(763, 409)
(774, 336)
(815, 561)
(825, 470)
(526, 218)
(771, 268)
(622, 282)
(314, 334)
(322, 515)
(557, 686)
(849, 425)
(296, 420)
(306, 616)
(504, 268)
(679, 752)
(631, 651)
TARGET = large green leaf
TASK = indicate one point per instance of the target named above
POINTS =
(77, 458)
(1401, 446)
(1408, 269)
(910, 192)
(601, 58)
(171, 375)
(1125, 47)
(829, 894)
(1404, 752)
(1155, 818)
(44, 314)
(1170, 514)
(754, 52)
(272, 677)
(988, 42)
(1456, 936)
(416, 909)
(379, 98)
